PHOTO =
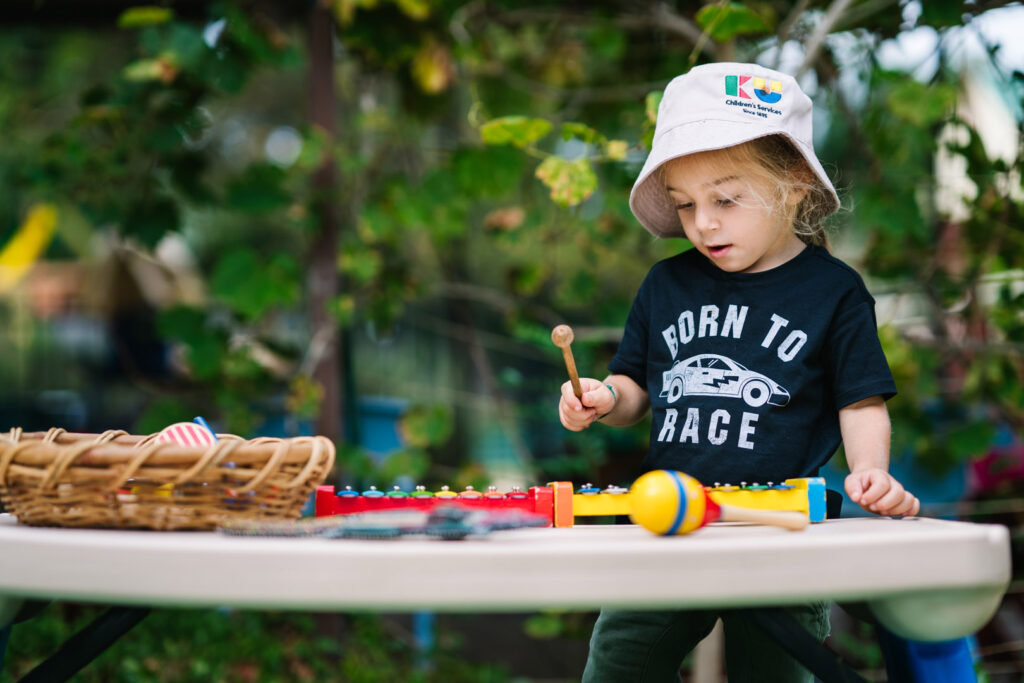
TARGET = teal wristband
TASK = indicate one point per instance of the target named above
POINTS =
(615, 401)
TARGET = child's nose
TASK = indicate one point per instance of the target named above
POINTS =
(705, 219)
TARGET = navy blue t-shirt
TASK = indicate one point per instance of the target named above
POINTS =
(746, 372)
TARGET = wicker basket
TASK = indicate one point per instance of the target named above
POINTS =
(121, 480)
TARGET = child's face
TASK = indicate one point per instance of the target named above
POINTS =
(728, 214)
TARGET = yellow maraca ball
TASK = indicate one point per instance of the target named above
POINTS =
(669, 503)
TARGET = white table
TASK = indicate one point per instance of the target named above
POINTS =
(924, 579)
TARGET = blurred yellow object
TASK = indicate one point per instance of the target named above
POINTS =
(27, 244)
(670, 503)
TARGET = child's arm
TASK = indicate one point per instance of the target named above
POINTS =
(866, 431)
(624, 404)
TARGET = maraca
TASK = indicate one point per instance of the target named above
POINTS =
(672, 503)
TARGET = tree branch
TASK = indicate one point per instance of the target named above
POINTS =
(786, 27)
(813, 46)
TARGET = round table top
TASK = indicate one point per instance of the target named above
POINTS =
(897, 565)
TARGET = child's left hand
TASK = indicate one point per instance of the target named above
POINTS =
(877, 491)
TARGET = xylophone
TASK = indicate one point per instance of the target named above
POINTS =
(559, 502)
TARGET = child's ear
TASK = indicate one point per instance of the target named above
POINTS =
(799, 189)
(795, 196)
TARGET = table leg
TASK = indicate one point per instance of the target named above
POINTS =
(86, 645)
(9, 608)
(794, 639)
(5, 633)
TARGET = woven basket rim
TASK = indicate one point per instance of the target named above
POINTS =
(55, 475)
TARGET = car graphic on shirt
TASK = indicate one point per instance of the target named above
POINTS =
(712, 375)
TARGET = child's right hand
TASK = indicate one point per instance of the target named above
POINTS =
(597, 401)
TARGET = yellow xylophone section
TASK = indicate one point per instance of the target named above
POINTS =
(800, 497)
(806, 495)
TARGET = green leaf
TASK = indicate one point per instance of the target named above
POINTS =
(362, 265)
(921, 104)
(570, 182)
(316, 146)
(606, 40)
(941, 13)
(304, 396)
(343, 309)
(204, 345)
(186, 174)
(259, 189)
(137, 17)
(616, 150)
(432, 68)
(163, 69)
(238, 365)
(581, 131)
(182, 323)
(150, 221)
(544, 626)
(250, 287)
(425, 426)
(187, 45)
(972, 439)
(651, 104)
(414, 9)
(724, 23)
(205, 356)
(405, 462)
(520, 131)
(486, 171)
(163, 412)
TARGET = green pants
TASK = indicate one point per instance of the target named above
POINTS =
(649, 647)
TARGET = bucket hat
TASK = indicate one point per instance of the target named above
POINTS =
(714, 106)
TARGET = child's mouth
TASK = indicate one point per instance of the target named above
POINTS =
(719, 250)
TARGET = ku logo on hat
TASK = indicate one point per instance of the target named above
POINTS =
(766, 90)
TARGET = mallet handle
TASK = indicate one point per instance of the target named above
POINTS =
(562, 337)
(788, 519)
(570, 365)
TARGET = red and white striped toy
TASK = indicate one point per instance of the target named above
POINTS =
(186, 434)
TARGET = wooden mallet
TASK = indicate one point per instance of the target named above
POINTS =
(562, 337)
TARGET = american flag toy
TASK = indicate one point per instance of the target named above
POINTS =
(187, 434)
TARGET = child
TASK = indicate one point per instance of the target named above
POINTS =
(756, 351)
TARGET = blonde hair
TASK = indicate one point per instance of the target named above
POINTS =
(773, 158)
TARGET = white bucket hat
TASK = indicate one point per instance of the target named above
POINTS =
(714, 106)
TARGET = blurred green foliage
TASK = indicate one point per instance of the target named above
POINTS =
(237, 646)
(485, 152)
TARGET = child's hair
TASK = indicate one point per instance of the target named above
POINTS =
(773, 158)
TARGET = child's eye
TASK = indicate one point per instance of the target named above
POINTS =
(726, 201)
(685, 206)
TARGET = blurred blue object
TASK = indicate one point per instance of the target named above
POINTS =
(929, 488)
(378, 424)
(947, 661)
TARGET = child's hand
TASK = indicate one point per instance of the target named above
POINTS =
(597, 401)
(877, 491)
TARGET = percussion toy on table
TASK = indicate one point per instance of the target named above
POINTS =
(448, 522)
(561, 503)
(670, 503)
